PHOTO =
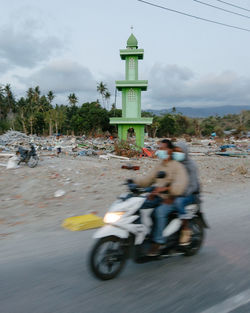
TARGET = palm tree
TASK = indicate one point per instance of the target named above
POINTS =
(37, 91)
(11, 107)
(58, 117)
(1, 92)
(33, 96)
(107, 96)
(50, 96)
(49, 120)
(72, 99)
(36, 98)
(3, 109)
(102, 89)
(22, 111)
(30, 94)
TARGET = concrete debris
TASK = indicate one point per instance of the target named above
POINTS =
(13, 137)
(104, 157)
(6, 155)
(241, 170)
(12, 162)
(59, 193)
(106, 147)
(117, 157)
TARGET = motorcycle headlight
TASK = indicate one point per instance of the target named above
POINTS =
(112, 217)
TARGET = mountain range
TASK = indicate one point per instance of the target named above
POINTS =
(205, 111)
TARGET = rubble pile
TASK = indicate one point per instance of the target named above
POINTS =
(126, 149)
(81, 146)
(231, 148)
(12, 138)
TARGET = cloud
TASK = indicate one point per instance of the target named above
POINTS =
(4, 66)
(172, 85)
(62, 76)
(26, 44)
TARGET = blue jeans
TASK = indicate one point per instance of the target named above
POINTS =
(148, 204)
(161, 218)
(181, 202)
(161, 215)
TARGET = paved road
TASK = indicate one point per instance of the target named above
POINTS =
(46, 272)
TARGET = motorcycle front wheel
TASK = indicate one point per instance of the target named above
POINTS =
(107, 257)
(33, 161)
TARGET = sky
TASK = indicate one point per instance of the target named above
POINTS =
(70, 46)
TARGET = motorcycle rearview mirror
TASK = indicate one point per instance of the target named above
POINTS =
(161, 174)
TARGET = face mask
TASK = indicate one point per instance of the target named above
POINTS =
(178, 156)
(162, 154)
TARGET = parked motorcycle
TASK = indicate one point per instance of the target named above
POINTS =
(127, 233)
(28, 156)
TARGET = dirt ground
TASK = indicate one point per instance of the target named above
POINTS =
(27, 195)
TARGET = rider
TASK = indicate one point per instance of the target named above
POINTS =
(181, 154)
(166, 189)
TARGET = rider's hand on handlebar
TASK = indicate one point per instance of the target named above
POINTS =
(157, 191)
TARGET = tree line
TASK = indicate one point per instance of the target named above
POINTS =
(34, 113)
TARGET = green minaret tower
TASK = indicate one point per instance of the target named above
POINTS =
(131, 89)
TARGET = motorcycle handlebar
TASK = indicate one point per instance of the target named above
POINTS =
(136, 189)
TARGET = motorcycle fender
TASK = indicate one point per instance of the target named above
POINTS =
(109, 230)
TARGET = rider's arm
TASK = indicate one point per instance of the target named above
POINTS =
(146, 181)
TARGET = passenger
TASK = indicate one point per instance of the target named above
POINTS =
(190, 196)
(166, 189)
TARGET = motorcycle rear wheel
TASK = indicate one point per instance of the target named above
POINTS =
(107, 264)
(197, 237)
(33, 161)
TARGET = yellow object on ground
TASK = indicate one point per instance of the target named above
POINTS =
(83, 222)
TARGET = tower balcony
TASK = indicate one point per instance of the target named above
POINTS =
(131, 121)
(129, 52)
(142, 84)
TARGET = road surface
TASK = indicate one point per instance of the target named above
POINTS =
(45, 271)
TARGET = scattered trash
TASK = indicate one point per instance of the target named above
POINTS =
(131, 167)
(83, 222)
(59, 193)
(232, 154)
(7, 155)
(104, 157)
(224, 147)
(126, 149)
(147, 153)
(12, 162)
(13, 137)
(117, 156)
(105, 147)
(241, 170)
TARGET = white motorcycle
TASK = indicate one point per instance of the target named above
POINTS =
(127, 232)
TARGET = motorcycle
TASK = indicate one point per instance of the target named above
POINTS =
(127, 231)
(28, 156)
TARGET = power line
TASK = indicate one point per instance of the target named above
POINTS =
(215, 7)
(193, 16)
(233, 5)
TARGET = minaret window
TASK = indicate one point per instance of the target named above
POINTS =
(132, 95)
(131, 63)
